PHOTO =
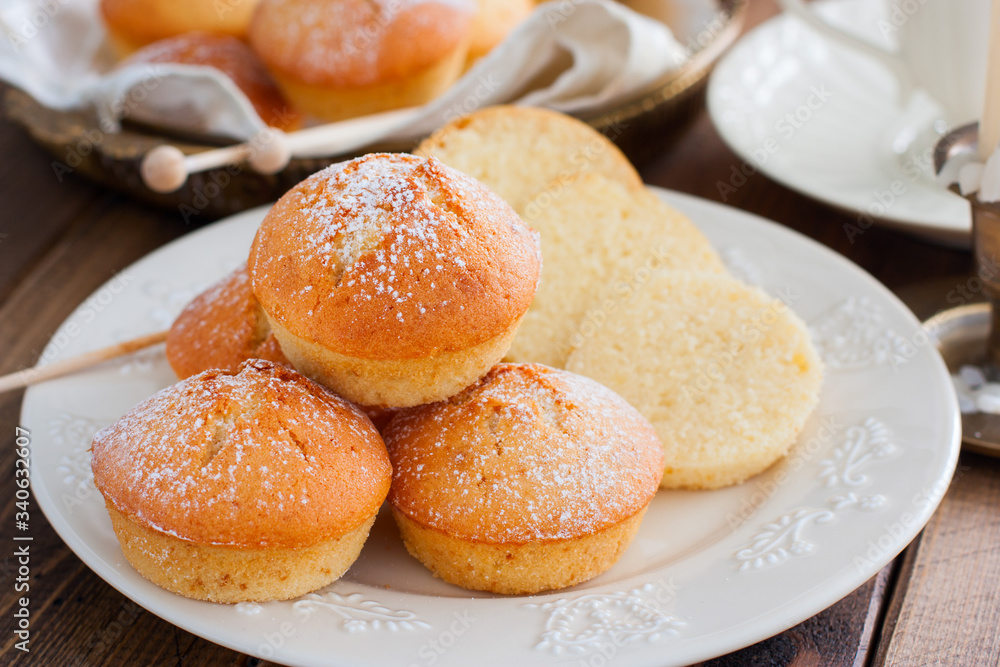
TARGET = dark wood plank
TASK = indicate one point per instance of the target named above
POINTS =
(37, 206)
(948, 611)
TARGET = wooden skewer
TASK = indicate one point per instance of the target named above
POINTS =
(30, 376)
(166, 168)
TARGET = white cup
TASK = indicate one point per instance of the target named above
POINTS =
(942, 50)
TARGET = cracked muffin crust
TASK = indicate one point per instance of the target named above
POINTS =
(253, 485)
(532, 479)
(393, 279)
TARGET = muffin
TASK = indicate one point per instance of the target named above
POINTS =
(494, 20)
(532, 479)
(220, 329)
(727, 374)
(133, 24)
(523, 152)
(230, 487)
(599, 236)
(341, 58)
(234, 59)
(393, 280)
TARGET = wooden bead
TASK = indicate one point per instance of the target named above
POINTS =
(269, 152)
(163, 169)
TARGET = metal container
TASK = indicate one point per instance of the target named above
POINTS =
(641, 125)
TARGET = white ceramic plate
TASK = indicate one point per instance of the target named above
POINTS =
(709, 572)
(824, 121)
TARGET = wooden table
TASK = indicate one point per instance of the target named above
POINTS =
(59, 240)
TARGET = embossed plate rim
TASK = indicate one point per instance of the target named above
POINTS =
(698, 605)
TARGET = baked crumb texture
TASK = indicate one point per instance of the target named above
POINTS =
(249, 485)
(726, 373)
(531, 479)
(392, 279)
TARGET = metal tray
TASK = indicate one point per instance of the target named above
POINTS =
(642, 126)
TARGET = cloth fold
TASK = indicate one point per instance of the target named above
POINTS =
(569, 55)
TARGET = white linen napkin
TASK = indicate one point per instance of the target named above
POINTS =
(569, 55)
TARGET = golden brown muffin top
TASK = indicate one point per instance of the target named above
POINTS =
(528, 453)
(391, 256)
(233, 58)
(146, 21)
(355, 43)
(260, 458)
(221, 328)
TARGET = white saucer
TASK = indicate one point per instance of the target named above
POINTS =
(841, 149)
(708, 573)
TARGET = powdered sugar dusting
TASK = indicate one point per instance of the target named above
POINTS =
(262, 457)
(377, 200)
(354, 42)
(221, 328)
(388, 251)
(530, 453)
